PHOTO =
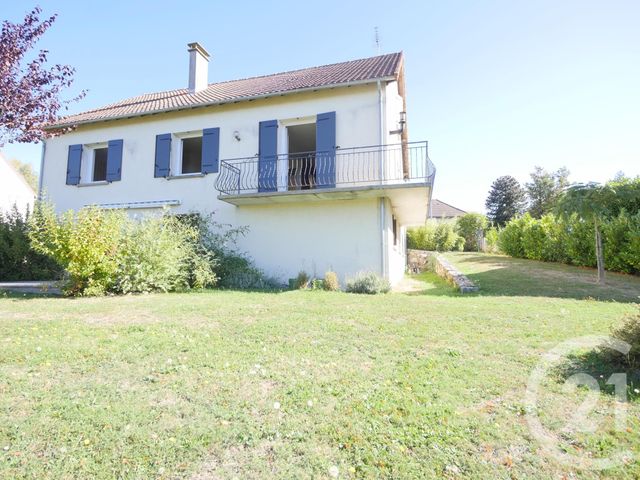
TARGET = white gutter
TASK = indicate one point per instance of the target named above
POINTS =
(383, 239)
(41, 176)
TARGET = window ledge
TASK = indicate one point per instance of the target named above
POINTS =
(186, 175)
(93, 184)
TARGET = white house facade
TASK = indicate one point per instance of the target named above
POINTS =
(14, 190)
(315, 162)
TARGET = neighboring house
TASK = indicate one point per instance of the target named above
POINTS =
(14, 189)
(316, 162)
(441, 210)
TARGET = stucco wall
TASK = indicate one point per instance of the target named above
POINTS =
(283, 238)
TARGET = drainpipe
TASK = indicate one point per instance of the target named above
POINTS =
(383, 237)
(44, 149)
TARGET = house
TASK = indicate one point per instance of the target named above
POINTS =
(441, 210)
(14, 190)
(315, 162)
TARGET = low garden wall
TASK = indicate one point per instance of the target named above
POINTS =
(421, 260)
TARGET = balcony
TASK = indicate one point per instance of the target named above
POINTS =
(400, 171)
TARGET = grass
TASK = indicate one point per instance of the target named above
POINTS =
(224, 384)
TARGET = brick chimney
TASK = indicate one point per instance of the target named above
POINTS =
(198, 67)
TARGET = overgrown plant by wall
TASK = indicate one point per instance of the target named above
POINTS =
(18, 261)
(105, 251)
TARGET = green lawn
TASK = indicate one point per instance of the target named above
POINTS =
(243, 385)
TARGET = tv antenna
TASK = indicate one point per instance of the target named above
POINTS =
(376, 34)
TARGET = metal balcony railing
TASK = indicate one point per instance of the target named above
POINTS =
(378, 165)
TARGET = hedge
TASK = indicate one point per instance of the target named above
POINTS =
(552, 239)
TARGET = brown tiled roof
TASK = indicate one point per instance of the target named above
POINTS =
(326, 76)
(439, 209)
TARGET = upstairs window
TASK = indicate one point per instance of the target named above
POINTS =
(191, 155)
(99, 164)
(94, 163)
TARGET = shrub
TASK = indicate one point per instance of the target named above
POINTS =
(234, 269)
(85, 244)
(317, 284)
(468, 226)
(571, 240)
(580, 242)
(18, 261)
(435, 236)
(491, 240)
(163, 254)
(510, 238)
(621, 238)
(422, 238)
(331, 282)
(445, 237)
(301, 281)
(105, 251)
(368, 283)
(628, 332)
(631, 250)
(555, 244)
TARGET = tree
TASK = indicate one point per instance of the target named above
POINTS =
(469, 226)
(26, 171)
(545, 189)
(506, 200)
(593, 202)
(29, 91)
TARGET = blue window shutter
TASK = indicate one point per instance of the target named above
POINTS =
(74, 161)
(326, 150)
(210, 150)
(114, 160)
(163, 155)
(268, 156)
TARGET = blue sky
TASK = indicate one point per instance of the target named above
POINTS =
(496, 87)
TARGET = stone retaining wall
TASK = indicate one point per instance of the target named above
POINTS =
(420, 260)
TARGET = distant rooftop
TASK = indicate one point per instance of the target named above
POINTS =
(439, 209)
(365, 70)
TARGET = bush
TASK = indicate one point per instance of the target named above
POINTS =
(163, 254)
(301, 281)
(234, 269)
(435, 236)
(422, 238)
(367, 282)
(468, 226)
(553, 239)
(18, 261)
(445, 237)
(510, 238)
(628, 332)
(581, 248)
(631, 250)
(331, 282)
(491, 240)
(104, 251)
(621, 238)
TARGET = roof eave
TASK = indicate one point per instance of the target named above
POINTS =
(239, 100)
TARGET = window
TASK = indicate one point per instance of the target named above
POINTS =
(99, 165)
(395, 230)
(191, 155)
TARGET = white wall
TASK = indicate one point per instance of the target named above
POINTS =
(283, 238)
(14, 190)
